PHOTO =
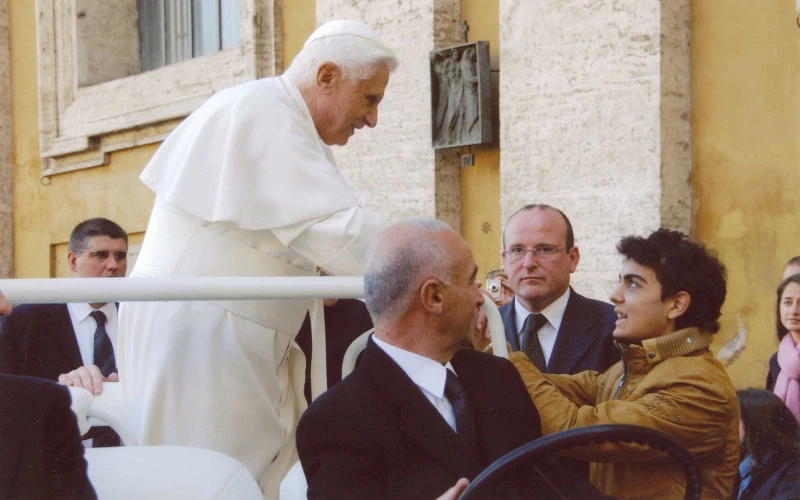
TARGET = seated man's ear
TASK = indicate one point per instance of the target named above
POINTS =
(680, 304)
(431, 294)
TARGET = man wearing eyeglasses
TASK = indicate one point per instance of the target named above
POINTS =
(74, 343)
(560, 330)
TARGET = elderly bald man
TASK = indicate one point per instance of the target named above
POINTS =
(419, 413)
(248, 186)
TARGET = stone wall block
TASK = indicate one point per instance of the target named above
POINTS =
(582, 102)
(6, 173)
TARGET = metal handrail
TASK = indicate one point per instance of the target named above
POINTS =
(140, 289)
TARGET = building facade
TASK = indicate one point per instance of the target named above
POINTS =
(629, 115)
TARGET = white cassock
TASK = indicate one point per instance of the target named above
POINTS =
(245, 187)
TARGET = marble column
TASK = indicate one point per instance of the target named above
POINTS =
(595, 120)
(6, 173)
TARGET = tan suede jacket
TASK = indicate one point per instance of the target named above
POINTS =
(672, 384)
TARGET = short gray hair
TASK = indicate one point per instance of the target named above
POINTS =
(391, 275)
(355, 57)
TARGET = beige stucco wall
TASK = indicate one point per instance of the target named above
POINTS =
(46, 210)
(581, 108)
(746, 122)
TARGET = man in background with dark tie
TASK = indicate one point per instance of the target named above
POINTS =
(71, 343)
(560, 330)
(419, 412)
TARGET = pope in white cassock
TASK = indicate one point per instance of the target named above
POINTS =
(247, 186)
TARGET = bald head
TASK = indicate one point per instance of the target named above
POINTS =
(401, 257)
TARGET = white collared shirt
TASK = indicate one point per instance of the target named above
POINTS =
(85, 326)
(547, 333)
(427, 374)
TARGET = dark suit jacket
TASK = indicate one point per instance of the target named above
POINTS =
(40, 446)
(375, 435)
(38, 340)
(584, 340)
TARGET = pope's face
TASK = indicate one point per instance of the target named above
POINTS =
(351, 105)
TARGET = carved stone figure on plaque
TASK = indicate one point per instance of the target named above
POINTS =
(460, 95)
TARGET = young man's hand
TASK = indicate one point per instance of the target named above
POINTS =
(456, 491)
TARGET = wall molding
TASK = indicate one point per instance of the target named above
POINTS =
(79, 126)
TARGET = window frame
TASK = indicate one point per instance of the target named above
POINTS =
(80, 126)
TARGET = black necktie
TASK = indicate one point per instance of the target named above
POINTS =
(462, 408)
(530, 340)
(103, 350)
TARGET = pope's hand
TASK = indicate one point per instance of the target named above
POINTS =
(5, 307)
(88, 377)
(456, 491)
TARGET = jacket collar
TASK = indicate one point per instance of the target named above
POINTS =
(574, 338)
(674, 345)
(418, 419)
(508, 314)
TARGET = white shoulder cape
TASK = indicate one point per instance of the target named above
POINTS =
(250, 155)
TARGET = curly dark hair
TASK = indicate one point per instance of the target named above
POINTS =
(682, 265)
(770, 429)
(782, 331)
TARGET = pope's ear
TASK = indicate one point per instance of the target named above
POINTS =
(431, 294)
(326, 77)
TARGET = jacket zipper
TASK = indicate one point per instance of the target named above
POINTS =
(624, 373)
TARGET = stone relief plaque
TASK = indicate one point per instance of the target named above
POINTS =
(460, 96)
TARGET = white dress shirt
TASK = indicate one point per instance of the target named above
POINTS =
(85, 326)
(427, 374)
(547, 333)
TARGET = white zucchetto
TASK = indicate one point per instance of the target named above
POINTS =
(343, 27)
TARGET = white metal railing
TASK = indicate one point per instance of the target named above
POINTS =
(42, 291)
(22, 291)
(106, 408)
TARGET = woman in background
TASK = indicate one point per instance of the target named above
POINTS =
(784, 365)
(770, 437)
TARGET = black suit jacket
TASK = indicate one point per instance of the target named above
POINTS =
(41, 455)
(375, 435)
(38, 340)
(584, 340)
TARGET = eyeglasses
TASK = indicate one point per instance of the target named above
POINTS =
(518, 252)
(103, 255)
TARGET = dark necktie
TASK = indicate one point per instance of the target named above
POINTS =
(530, 340)
(462, 408)
(103, 350)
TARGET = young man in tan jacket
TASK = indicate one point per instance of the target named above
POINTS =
(668, 300)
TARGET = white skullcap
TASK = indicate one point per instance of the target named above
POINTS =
(343, 27)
